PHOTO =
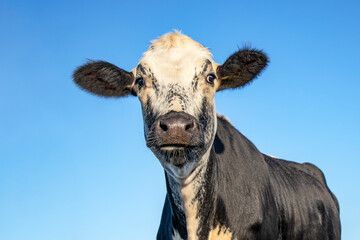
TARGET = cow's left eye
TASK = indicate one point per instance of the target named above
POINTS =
(210, 79)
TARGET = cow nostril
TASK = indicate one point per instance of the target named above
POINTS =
(163, 126)
(189, 126)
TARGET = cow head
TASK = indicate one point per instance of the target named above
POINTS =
(175, 81)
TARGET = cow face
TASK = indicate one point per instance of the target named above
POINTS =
(175, 81)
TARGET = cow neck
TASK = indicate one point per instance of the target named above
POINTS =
(193, 202)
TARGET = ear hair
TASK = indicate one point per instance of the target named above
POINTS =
(241, 67)
(104, 79)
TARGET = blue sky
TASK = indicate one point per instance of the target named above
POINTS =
(75, 166)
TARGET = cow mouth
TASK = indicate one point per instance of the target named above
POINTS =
(170, 147)
(178, 155)
(178, 147)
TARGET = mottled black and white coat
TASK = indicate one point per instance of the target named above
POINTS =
(219, 186)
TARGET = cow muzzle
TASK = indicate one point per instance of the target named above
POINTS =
(176, 139)
(175, 130)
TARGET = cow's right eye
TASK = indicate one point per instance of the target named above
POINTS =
(140, 82)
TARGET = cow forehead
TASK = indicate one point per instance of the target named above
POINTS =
(179, 43)
(175, 57)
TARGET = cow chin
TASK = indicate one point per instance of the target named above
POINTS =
(180, 173)
(177, 161)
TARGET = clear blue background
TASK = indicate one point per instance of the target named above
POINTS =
(75, 166)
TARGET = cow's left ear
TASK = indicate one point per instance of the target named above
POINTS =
(240, 68)
(104, 79)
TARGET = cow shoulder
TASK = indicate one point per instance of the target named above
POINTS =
(302, 187)
(308, 170)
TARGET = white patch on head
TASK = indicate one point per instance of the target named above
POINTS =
(175, 59)
(175, 69)
(175, 47)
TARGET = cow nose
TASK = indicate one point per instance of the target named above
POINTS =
(177, 124)
(176, 129)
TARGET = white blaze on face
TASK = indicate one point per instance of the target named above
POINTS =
(174, 78)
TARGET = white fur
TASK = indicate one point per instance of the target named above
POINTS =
(175, 58)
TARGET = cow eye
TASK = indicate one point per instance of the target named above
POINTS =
(140, 82)
(210, 79)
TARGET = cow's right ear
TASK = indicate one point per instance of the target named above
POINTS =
(104, 79)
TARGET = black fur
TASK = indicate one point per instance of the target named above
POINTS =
(166, 221)
(206, 121)
(195, 81)
(104, 79)
(240, 68)
(259, 197)
(141, 70)
(148, 114)
(205, 67)
(178, 218)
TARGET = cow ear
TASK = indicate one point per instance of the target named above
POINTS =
(104, 79)
(240, 68)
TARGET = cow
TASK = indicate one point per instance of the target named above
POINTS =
(219, 185)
